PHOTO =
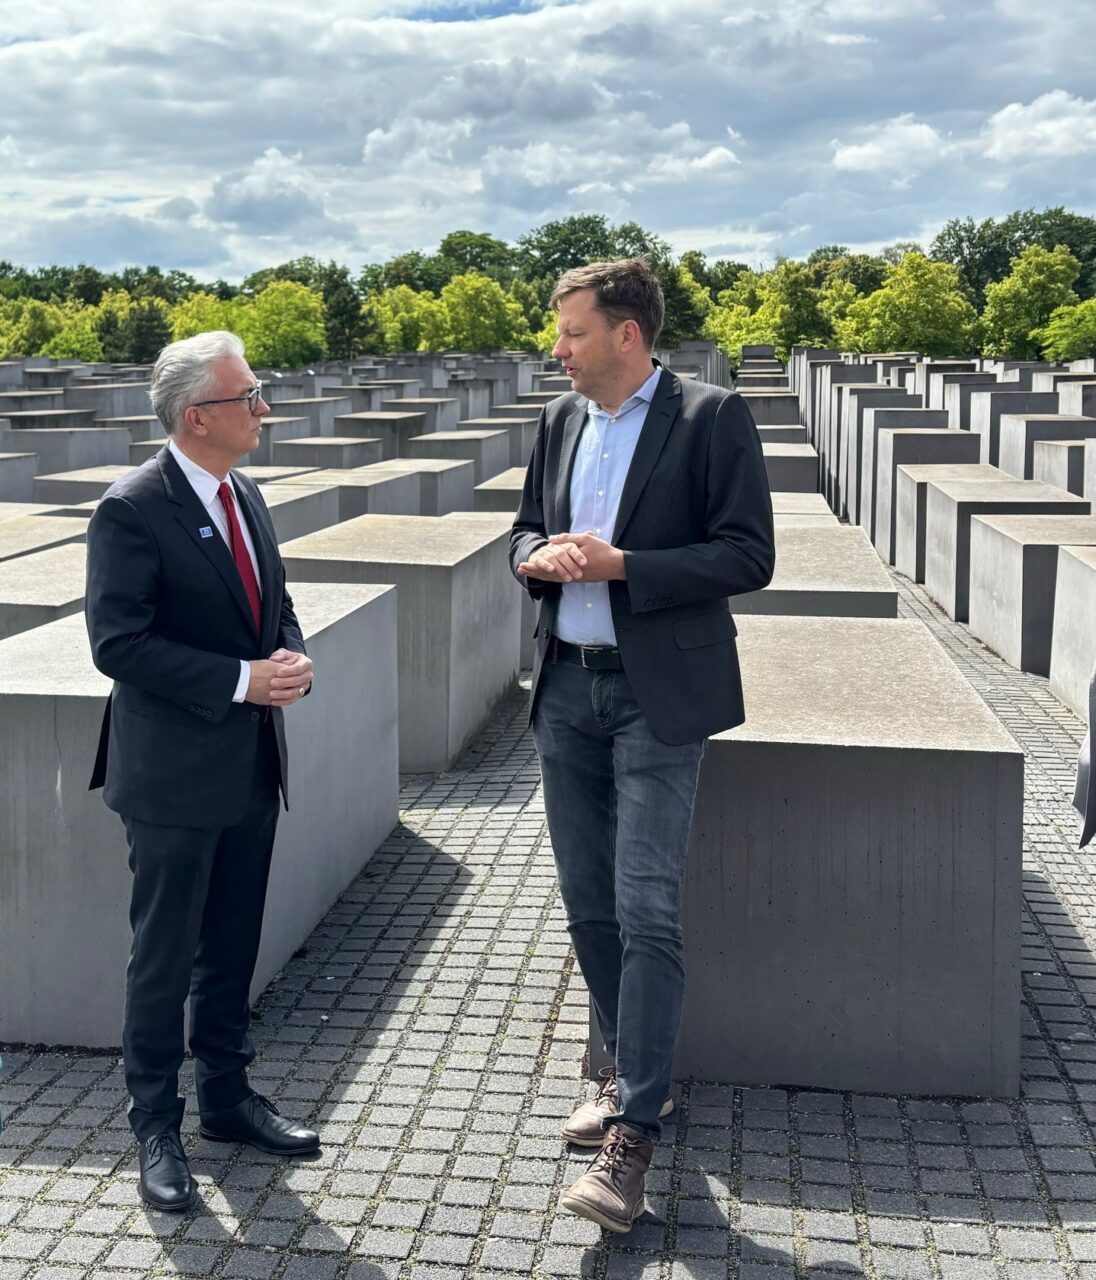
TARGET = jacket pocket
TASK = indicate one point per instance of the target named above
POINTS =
(707, 628)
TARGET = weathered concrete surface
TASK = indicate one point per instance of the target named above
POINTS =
(988, 406)
(297, 510)
(458, 619)
(1061, 463)
(69, 449)
(109, 400)
(522, 431)
(1019, 433)
(1074, 398)
(791, 468)
(786, 504)
(1013, 573)
(441, 413)
(64, 884)
(875, 420)
(772, 408)
(488, 451)
(1073, 644)
(40, 587)
(373, 490)
(824, 569)
(277, 428)
(889, 940)
(783, 435)
(338, 452)
(906, 447)
(501, 492)
(911, 488)
(393, 430)
(857, 402)
(77, 486)
(949, 507)
(444, 484)
(17, 472)
(321, 411)
(24, 535)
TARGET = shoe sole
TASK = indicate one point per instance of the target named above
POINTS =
(246, 1142)
(584, 1140)
(169, 1208)
(592, 1214)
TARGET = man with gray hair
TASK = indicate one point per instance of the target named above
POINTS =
(188, 613)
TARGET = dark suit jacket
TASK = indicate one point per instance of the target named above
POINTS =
(169, 622)
(695, 524)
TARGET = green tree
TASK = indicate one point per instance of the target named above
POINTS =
(78, 340)
(687, 304)
(1070, 333)
(556, 247)
(88, 285)
(283, 327)
(27, 325)
(480, 316)
(477, 251)
(344, 323)
(919, 308)
(892, 254)
(147, 330)
(204, 312)
(1040, 282)
(111, 334)
(408, 321)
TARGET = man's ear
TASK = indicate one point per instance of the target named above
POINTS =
(194, 421)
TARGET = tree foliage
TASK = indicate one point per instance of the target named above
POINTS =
(919, 308)
(1022, 303)
(1070, 333)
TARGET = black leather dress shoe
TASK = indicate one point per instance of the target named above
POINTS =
(166, 1181)
(256, 1121)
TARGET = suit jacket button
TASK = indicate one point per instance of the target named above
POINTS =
(254, 715)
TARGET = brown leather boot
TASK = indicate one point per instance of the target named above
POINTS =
(585, 1128)
(611, 1191)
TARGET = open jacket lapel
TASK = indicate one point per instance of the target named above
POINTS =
(193, 516)
(572, 430)
(665, 406)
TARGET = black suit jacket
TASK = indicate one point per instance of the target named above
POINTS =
(695, 524)
(169, 622)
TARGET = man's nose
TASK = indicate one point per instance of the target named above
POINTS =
(559, 350)
(261, 408)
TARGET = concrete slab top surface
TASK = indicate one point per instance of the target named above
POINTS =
(17, 510)
(407, 466)
(106, 474)
(1086, 555)
(513, 478)
(264, 475)
(882, 683)
(411, 401)
(275, 495)
(17, 537)
(328, 442)
(372, 473)
(789, 450)
(421, 540)
(1043, 530)
(786, 504)
(382, 415)
(9, 456)
(53, 576)
(939, 472)
(1047, 417)
(826, 557)
(462, 435)
(495, 423)
(1002, 490)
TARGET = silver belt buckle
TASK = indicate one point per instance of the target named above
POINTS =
(584, 649)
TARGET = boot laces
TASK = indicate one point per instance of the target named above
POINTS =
(265, 1102)
(607, 1093)
(615, 1156)
(163, 1143)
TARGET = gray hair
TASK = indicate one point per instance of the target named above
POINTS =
(183, 372)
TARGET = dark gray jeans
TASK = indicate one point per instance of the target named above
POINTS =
(619, 803)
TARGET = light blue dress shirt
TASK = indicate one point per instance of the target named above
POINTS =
(602, 459)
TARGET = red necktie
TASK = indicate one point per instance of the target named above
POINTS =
(240, 553)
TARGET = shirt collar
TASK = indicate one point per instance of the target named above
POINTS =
(645, 392)
(204, 483)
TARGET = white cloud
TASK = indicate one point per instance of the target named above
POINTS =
(1054, 126)
(902, 145)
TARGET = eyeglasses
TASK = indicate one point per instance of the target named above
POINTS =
(252, 398)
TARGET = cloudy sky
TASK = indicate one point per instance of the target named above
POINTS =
(223, 135)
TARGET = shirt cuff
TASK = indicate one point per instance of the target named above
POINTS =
(242, 683)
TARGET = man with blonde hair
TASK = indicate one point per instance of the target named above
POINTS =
(188, 613)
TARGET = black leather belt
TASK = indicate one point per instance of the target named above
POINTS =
(594, 657)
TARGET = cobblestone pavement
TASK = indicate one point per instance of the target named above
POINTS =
(434, 1028)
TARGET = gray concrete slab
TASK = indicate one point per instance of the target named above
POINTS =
(68, 448)
(441, 413)
(42, 419)
(340, 452)
(141, 426)
(142, 450)
(77, 486)
(911, 490)
(772, 408)
(949, 508)
(321, 411)
(393, 430)
(882, 952)
(444, 484)
(1073, 642)
(828, 569)
(791, 467)
(458, 619)
(1073, 397)
(17, 472)
(41, 587)
(523, 434)
(850, 460)
(64, 883)
(502, 522)
(488, 451)
(1019, 432)
(1013, 571)
(1061, 463)
(501, 492)
(987, 406)
(24, 535)
(372, 490)
(18, 510)
(109, 399)
(514, 410)
(267, 475)
(896, 447)
(297, 510)
(274, 429)
(956, 396)
(875, 419)
(783, 435)
(799, 504)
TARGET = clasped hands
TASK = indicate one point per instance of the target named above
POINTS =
(570, 557)
(280, 680)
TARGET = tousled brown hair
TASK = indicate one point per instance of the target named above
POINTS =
(623, 290)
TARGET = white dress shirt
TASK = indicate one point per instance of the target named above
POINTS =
(206, 486)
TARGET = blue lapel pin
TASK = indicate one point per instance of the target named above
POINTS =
(206, 531)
